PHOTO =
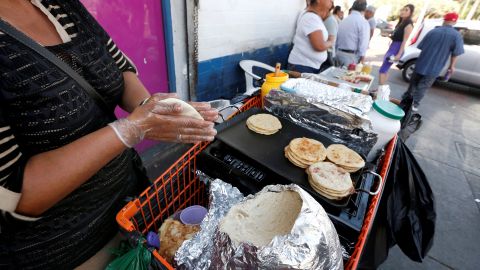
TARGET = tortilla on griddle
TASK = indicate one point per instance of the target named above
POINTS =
(330, 180)
(304, 152)
(345, 157)
(294, 160)
(308, 150)
(265, 124)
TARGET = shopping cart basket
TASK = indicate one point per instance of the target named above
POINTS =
(179, 187)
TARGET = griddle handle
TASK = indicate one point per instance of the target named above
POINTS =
(227, 107)
(380, 180)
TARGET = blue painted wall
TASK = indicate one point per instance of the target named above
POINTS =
(223, 78)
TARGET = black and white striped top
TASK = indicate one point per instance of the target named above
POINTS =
(10, 154)
(42, 109)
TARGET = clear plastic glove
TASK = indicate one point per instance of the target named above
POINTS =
(206, 111)
(204, 108)
(162, 122)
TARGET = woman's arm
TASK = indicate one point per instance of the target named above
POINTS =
(406, 35)
(51, 176)
(135, 92)
(316, 39)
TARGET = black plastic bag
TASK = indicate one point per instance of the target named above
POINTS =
(411, 208)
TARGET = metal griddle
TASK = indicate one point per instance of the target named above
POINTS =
(268, 151)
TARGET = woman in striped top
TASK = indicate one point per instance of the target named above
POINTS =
(65, 165)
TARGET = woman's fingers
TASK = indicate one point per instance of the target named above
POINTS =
(205, 110)
(211, 115)
(161, 96)
(162, 108)
(201, 106)
(180, 129)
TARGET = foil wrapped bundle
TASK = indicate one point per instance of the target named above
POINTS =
(341, 99)
(312, 243)
(196, 253)
(312, 113)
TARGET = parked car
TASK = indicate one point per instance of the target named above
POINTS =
(468, 65)
(385, 27)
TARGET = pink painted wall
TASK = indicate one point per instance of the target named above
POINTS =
(137, 29)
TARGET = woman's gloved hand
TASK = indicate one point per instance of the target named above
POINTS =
(205, 110)
(163, 122)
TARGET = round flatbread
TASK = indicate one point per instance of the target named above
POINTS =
(263, 123)
(345, 157)
(260, 219)
(260, 131)
(308, 150)
(329, 179)
(187, 109)
(293, 160)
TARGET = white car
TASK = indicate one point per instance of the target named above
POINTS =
(467, 70)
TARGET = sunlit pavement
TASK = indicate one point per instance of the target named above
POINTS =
(448, 148)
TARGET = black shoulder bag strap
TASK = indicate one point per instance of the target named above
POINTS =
(30, 43)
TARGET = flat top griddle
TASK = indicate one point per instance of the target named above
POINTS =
(269, 150)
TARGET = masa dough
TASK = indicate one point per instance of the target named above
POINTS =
(187, 109)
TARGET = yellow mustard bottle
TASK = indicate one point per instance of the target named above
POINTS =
(273, 82)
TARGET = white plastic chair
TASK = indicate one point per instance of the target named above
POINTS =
(247, 66)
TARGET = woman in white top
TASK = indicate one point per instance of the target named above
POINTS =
(311, 40)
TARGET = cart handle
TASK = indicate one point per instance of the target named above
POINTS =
(380, 179)
(125, 215)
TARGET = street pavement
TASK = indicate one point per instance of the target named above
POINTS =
(447, 147)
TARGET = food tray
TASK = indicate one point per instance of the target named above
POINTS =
(334, 74)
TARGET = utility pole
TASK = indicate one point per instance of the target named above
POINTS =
(473, 10)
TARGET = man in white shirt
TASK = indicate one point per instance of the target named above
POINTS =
(370, 17)
(353, 36)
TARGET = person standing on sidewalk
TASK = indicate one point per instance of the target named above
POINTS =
(332, 28)
(338, 14)
(370, 17)
(399, 40)
(311, 40)
(437, 46)
(353, 36)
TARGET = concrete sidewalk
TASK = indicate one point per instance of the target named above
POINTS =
(448, 148)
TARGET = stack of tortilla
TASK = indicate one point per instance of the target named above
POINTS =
(345, 157)
(259, 219)
(265, 124)
(303, 152)
(329, 180)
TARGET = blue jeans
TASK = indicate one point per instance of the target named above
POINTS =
(303, 69)
(419, 85)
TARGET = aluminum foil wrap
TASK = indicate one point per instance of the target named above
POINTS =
(341, 99)
(340, 126)
(196, 253)
(312, 243)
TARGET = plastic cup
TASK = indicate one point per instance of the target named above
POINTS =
(367, 69)
(193, 215)
(153, 240)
